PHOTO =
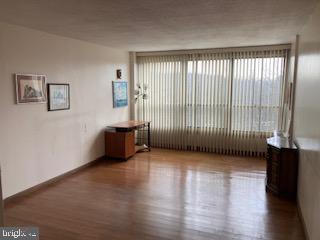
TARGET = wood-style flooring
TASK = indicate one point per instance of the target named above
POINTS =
(161, 194)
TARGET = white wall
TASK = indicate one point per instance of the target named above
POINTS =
(307, 124)
(37, 145)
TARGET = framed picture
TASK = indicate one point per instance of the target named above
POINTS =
(120, 93)
(119, 73)
(59, 96)
(30, 88)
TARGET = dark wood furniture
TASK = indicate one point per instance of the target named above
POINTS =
(282, 167)
(120, 139)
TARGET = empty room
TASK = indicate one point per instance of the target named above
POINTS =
(160, 120)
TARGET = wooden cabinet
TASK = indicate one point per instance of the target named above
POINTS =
(282, 167)
(120, 139)
(120, 144)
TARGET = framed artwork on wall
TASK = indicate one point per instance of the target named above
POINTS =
(120, 93)
(30, 88)
(59, 96)
(119, 73)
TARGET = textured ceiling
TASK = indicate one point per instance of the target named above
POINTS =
(144, 25)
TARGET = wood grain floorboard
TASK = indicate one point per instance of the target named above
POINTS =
(162, 194)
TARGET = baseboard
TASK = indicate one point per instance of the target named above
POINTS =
(304, 226)
(50, 181)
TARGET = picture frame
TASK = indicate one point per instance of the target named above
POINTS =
(119, 74)
(30, 88)
(58, 96)
(120, 93)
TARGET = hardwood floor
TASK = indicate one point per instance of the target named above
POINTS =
(161, 194)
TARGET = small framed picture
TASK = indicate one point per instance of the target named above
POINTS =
(30, 88)
(59, 96)
(119, 73)
(120, 93)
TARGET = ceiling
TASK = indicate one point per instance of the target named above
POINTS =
(146, 25)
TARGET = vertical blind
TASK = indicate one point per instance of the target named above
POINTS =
(223, 102)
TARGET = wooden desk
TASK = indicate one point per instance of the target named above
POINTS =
(120, 139)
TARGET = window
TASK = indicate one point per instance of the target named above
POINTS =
(202, 97)
(255, 95)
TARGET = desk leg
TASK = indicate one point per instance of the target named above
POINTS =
(149, 138)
